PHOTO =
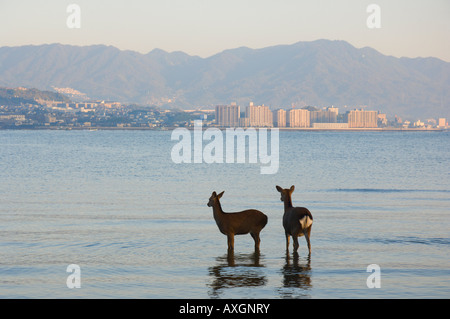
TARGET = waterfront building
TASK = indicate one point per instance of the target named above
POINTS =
(334, 109)
(279, 118)
(322, 116)
(382, 119)
(12, 117)
(419, 123)
(259, 116)
(298, 118)
(362, 119)
(228, 115)
(244, 122)
(330, 126)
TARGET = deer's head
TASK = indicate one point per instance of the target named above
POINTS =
(214, 198)
(285, 192)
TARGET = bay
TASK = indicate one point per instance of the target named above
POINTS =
(137, 224)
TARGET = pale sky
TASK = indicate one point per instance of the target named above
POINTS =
(409, 28)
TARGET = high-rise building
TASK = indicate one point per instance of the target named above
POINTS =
(442, 122)
(244, 122)
(362, 119)
(228, 115)
(334, 109)
(382, 119)
(298, 118)
(323, 116)
(259, 116)
(279, 118)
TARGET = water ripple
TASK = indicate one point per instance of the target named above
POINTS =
(382, 190)
(408, 240)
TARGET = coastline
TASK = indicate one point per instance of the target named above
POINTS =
(170, 128)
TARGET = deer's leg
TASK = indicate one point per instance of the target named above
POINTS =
(295, 238)
(256, 239)
(287, 241)
(230, 241)
(307, 233)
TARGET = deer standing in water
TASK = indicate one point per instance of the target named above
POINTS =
(297, 221)
(248, 221)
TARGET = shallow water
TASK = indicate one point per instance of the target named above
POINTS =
(137, 224)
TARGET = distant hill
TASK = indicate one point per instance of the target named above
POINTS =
(15, 96)
(320, 73)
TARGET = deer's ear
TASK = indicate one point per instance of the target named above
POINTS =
(292, 188)
(220, 195)
(214, 194)
(279, 188)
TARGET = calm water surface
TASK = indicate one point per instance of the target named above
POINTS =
(137, 224)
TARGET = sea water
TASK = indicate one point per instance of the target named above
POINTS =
(137, 224)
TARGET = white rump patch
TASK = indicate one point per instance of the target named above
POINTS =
(306, 222)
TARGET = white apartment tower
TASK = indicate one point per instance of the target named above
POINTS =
(362, 119)
(298, 118)
(259, 116)
(228, 115)
(279, 118)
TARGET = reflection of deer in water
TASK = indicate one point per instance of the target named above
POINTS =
(297, 221)
(248, 221)
(296, 277)
(242, 270)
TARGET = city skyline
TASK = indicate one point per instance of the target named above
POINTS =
(90, 114)
(407, 28)
(325, 118)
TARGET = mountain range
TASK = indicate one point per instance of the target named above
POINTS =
(317, 73)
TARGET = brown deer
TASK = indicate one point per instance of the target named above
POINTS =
(248, 221)
(297, 221)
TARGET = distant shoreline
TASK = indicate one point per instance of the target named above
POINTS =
(310, 129)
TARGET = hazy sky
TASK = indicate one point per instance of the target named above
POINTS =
(204, 27)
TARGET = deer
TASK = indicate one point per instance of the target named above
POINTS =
(240, 223)
(297, 221)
